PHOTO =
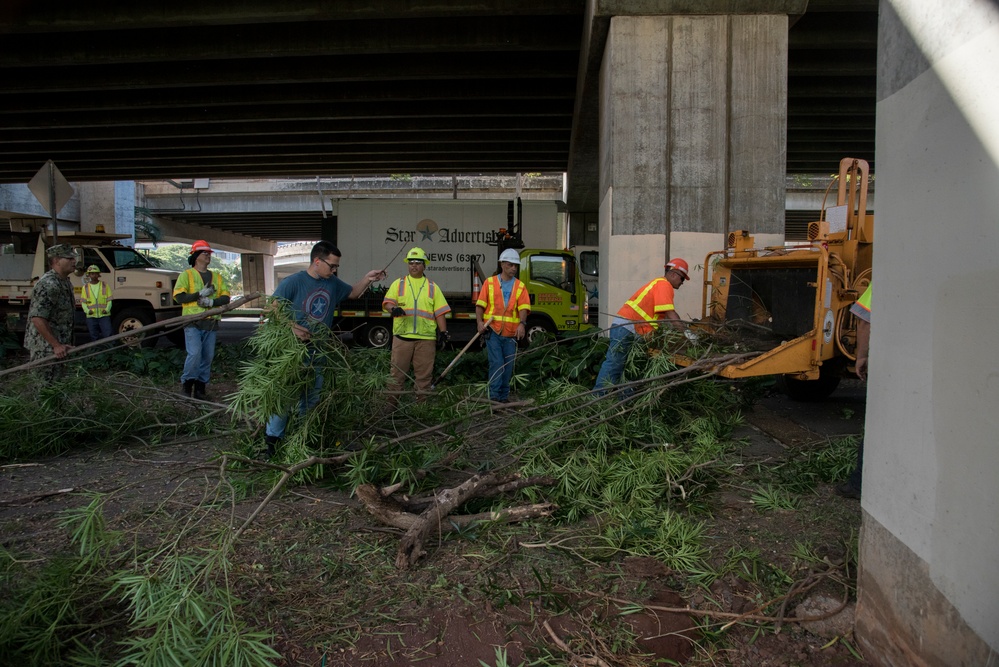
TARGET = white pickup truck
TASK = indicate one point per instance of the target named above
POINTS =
(142, 293)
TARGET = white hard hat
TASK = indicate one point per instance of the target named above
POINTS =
(510, 255)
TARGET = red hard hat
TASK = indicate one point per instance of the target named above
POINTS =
(680, 265)
(200, 245)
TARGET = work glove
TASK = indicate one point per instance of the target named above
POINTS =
(208, 290)
(443, 338)
(691, 336)
(398, 312)
(205, 301)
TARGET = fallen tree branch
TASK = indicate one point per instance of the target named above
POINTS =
(172, 322)
(732, 616)
(392, 512)
(24, 500)
(565, 649)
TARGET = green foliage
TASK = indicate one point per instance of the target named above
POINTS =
(830, 464)
(78, 410)
(634, 464)
(769, 498)
(163, 364)
(576, 358)
(109, 606)
(281, 370)
(174, 256)
(501, 659)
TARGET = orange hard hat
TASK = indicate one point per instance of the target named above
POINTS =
(679, 265)
(200, 245)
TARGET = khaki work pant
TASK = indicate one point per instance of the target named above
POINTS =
(416, 353)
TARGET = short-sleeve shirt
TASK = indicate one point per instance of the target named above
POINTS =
(313, 300)
(51, 299)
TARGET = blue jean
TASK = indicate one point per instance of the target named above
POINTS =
(612, 369)
(501, 352)
(278, 423)
(99, 327)
(200, 352)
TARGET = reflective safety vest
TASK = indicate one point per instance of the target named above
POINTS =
(648, 305)
(423, 302)
(190, 282)
(96, 299)
(862, 307)
(506, 316)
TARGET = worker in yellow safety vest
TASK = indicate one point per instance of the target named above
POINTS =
(95, 298)
(861, 309)
(198, 290)
(418, 308)
(640, 315)
(504, 299)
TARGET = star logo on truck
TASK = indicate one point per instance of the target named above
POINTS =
(428, 228)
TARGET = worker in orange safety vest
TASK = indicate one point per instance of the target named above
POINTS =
(504, 299)
(640, 315)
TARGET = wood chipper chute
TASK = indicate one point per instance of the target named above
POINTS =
(791, 303)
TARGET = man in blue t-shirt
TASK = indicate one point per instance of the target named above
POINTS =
(313, 295)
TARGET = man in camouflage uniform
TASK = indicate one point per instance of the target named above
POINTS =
(50, 317)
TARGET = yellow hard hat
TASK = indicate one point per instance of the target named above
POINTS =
(416, 253)
(93, 268)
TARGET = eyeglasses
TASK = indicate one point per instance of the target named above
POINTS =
(333, 267)
(416, 261)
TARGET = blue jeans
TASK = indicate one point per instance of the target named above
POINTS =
(99, 327)
(277, 423)
(613, 367)
(200, 352)
(501, 352)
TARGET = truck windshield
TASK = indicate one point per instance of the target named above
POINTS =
(125, 258)
(555, 270)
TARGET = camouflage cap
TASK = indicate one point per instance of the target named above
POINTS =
(61, 250)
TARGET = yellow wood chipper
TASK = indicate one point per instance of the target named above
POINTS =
(791, 303)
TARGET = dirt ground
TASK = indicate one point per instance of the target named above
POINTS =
(317, 570)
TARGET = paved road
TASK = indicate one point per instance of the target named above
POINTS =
(236, 329)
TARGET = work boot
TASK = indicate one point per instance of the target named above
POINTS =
(199, 390)
(271, 442)
(188, 388)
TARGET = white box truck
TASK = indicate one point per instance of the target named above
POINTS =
(463, 239)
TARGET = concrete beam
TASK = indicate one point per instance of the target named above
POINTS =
(180, 232)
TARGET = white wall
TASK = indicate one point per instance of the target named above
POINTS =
(931, 474)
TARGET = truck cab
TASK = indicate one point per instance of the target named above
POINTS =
(142, 293)
(559, 300)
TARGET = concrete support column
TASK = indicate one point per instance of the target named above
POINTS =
(693, 116)
(258, 274)
(928, 585)
(108, 203)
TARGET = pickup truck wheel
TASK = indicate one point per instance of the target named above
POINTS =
(131, 319)
(374, 335)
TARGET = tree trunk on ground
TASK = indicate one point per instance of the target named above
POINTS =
(436, 517)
